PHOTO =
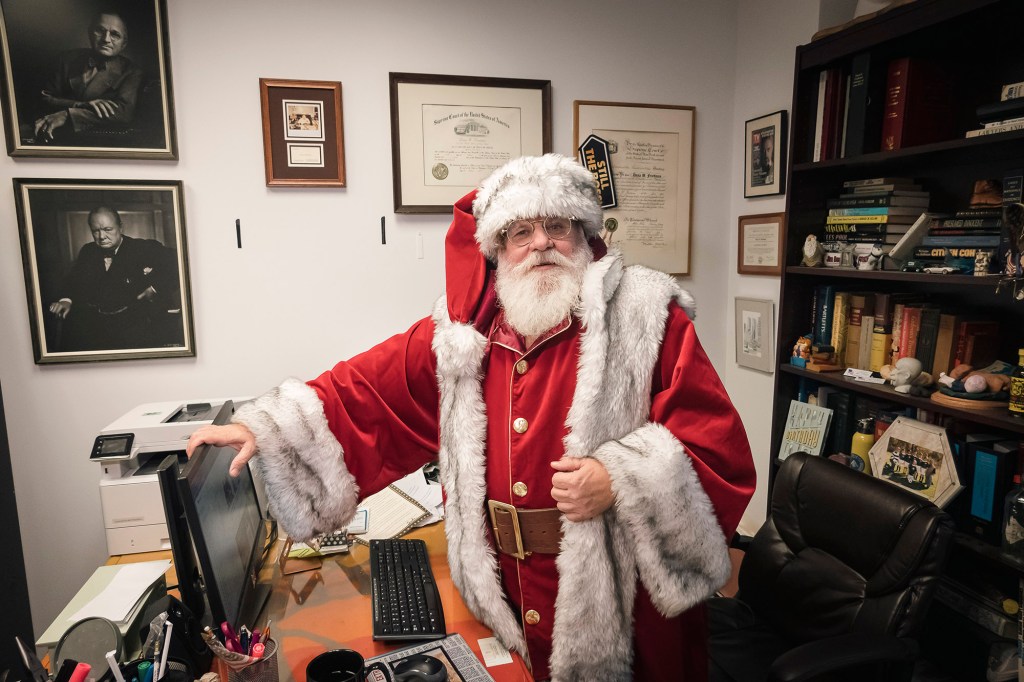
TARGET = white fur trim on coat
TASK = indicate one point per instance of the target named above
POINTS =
(311, 491)
(535, 187)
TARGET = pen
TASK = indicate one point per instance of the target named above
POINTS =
(258, 649)
(81, 672)
(145, 671)
(243, 638)
(115, 669)
(167, 647)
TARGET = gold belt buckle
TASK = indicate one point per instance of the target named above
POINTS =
(492, 505)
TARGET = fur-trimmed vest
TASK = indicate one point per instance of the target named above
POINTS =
(662, 528)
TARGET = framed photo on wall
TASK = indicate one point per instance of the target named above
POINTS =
(106, 269)
(87, 79)
(303, 133)
(764, 157)
(760, 244)
(755, 324)
(449, 132)
(650, 151)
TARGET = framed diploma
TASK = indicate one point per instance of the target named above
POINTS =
(303, 133)
(760, 244)
(650, 155)
(764, 158)
(449, 132)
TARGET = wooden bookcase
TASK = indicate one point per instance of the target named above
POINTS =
(979, 41)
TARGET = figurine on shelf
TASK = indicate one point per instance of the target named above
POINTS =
(964, 379)
(874, 259)
(848, 255)
(814, 252)
(802, 348)
(908, 374)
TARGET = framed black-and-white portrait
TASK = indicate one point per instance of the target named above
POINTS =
(764, 156)
(87, 79)
(106, 269)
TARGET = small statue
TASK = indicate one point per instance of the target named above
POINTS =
(907, 373)
(982, 261)
(802, 348)
(814, 252)
(847, 257)
(874, 259)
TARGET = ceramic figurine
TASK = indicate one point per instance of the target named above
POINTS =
(814, 252)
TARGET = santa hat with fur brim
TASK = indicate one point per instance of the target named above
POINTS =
(549, 186)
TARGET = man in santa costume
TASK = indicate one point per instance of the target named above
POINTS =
(554, 385)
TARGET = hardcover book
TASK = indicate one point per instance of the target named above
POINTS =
(918, 104)
(806, 429)
(917, 457)
(865, 105)
(887, 199)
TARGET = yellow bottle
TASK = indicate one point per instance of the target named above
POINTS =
(861, 445)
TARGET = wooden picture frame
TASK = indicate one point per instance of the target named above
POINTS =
(760, 244)
(755, 334)
(449, 132)
(303, 133)
(764, 155)
(74, 235)
(654, 186)
(56, 103)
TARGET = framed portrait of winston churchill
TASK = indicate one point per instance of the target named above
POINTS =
(87, 79)
(106, 269)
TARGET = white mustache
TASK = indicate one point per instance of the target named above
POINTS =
(549, 257)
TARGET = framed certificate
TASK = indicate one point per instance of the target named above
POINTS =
(760, 244)
(650, 151)
(450, 132)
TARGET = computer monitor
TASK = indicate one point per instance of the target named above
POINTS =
(190, 585)
(227, 529)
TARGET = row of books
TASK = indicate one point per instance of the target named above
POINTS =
(867, 330)
(876, 105)
(955, 240)
(1003, 116)
(874, 210)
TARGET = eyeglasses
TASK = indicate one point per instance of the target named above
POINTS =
(520, 232)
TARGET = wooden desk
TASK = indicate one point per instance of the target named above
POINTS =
(329, 608)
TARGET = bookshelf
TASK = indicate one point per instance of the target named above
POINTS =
(976, 41)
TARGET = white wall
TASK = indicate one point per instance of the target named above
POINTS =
(766, 40)
(313, 284)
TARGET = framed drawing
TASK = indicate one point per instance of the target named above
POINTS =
(760, 244)
(449, 132)
(106, 269)
(917, 457)
(755, 323)
(764, 156)
(650, 151)
(85, 80)
(303, 133)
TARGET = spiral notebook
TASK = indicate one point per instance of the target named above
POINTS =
(391, 514)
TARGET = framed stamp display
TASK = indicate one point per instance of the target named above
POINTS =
(755, 323)
(303, 133)
(87, 79)
(106, 269)
(760, 244)
(650, 154)
(764, 155)
(450, 132)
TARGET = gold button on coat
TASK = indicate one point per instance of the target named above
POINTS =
(519, 489)
(532, 617)
(522, 366)
(520, 425)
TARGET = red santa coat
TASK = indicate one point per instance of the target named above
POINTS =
(627, 383)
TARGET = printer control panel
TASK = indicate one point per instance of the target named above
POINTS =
(112, 446)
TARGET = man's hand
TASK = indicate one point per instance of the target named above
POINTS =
(104, 108)
(581, 487)
(60, 308)
(47, 124)
(237, 436)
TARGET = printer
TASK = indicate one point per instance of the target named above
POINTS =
(129, 450)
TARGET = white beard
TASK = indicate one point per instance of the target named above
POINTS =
(537, 300)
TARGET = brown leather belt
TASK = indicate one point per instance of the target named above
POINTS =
(521, 532)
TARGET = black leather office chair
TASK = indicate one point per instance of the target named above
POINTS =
(836, 583)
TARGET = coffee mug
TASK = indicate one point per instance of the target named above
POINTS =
(339, 665)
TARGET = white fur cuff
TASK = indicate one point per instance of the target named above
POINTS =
(310, 489)
(681, 553)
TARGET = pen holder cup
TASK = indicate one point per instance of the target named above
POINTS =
(263, 670)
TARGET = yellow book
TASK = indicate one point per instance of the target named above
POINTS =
(841, 325)
(833, 219)
(880, 347)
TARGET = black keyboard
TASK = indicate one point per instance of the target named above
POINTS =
(406, 603)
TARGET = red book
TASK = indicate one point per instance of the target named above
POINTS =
(828, 116)
(909, 326)
(918, 104)
(967, 329)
